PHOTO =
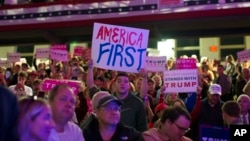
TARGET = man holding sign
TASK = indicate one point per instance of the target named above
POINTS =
(121, 49)
(133, 111)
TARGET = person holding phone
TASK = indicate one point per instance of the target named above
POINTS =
(8, 76)
(75, 70)
(20, 89)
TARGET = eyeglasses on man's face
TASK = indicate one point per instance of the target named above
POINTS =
(183, 129)
(111, 108)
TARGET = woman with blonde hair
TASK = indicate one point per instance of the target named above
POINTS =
(35, 119)
(171, 97)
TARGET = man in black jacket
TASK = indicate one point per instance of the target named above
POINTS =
(133, 111)
(105, 125)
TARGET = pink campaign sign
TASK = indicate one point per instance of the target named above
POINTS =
(48, 84)
(59, 46)
(186, 63)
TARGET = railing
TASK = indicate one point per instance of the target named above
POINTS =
(37, 4)
(88, 11)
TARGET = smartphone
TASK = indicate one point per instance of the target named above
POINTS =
(74, 78)
(41, 94)
(7, 74)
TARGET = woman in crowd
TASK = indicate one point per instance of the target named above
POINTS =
(35, 119)
(171, 97)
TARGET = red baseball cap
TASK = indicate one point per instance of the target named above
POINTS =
(160, 107)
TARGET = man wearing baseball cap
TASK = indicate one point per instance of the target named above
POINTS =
(106, 125)
(210, 111)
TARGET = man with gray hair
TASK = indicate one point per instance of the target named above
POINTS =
(244, 102)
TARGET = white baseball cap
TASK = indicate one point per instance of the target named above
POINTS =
(215, 89)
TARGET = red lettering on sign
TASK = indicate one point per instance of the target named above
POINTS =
(120, 36)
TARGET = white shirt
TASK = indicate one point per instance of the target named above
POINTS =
(71, 133)
(27, 91)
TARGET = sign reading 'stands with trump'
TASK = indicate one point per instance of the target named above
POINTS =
(119, 48)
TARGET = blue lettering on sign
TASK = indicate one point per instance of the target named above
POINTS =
(115, 53)
(130, 56)
(118, 51)
(141, 51)
(104, 51)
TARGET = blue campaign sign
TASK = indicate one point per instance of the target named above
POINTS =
(214, 133)
(119, 48)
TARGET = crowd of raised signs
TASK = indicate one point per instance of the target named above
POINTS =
(218, 84)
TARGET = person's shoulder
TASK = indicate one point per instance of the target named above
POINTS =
(93, 91)
(129, 129)
(74, 131)
(151, 134)
(89, 123)
(221, 102)
(71, 126)
(129, 132)
(53, 136)
(151, 131)
(186, 139)
(8, 92)
(135, 98)
(204, 101)
(27, 87)
(7, 95)
(11, 86)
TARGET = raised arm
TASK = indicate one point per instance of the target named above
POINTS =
(144, 85)
(90, 76)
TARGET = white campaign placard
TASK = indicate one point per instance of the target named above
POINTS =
(5, 63)
(13, 57)
(155, 63)
(184, 80)
(60, 55)
(59, 46)
(119, 48)
(243, 55)
(42, 53)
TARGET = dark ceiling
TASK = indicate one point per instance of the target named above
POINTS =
(228, 22)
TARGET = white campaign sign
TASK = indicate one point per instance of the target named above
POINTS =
(42, 53)
(119, 48)
(13, 57)
(155, 63)
(5, 63)
(60, 55)
(184, 80)
(243, 55)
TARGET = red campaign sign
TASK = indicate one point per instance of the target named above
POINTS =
(78, 50)
(48, 84)
(86, 54)
(187, 63)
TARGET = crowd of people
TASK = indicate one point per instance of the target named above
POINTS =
(112, 105)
